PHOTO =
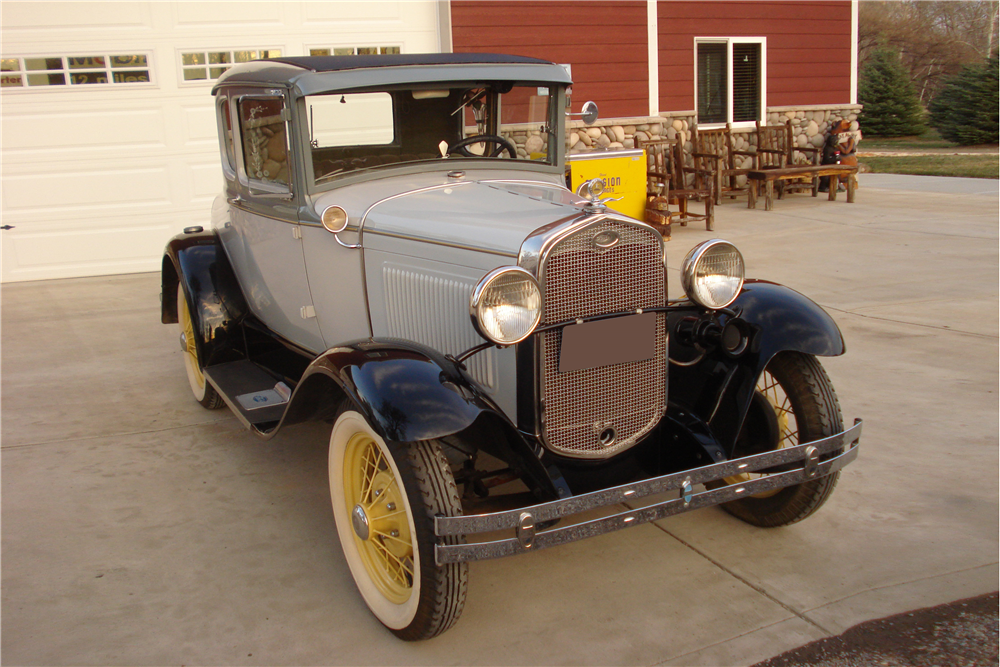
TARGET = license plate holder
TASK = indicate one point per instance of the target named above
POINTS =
(617, 340)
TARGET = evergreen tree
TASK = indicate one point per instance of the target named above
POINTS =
(966, 109)
(891, 106)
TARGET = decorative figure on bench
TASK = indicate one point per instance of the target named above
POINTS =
(848, 140)
(841, 147)
(831, 155)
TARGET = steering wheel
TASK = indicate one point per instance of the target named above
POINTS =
(501, 143)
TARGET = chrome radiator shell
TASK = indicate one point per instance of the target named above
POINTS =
(582, 277)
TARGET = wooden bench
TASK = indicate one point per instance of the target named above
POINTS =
(769, 176)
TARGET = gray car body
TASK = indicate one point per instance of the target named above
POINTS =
(424, 233)
(421, 254)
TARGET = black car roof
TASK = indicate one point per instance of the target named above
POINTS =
(312, 74)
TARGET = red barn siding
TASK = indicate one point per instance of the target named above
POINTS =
(605, 42)
(808, 48)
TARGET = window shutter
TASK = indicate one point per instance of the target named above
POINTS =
(712, 83)
(746, 82)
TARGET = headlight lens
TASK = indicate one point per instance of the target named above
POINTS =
(506, 305)
(712, 274)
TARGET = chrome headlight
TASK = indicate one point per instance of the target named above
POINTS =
(506, 305)
(712, 274)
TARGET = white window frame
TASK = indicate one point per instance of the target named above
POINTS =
(67, 73)
(210, 81)
(729, 42)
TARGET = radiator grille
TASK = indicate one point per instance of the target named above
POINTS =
(581, 280)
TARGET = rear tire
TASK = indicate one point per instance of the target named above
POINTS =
(385, 497)
(804, 407)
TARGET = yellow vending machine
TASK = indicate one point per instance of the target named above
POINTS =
(623, 173)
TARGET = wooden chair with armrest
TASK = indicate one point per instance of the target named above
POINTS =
(715, 151)
(668, 175)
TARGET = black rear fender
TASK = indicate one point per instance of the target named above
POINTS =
(215, 300)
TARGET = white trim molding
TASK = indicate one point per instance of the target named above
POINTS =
(854, 51)
(653, 42)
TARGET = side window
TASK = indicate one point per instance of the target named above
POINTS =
(226, 135)
(264, 133)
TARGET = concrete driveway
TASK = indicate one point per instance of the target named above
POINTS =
(138, 528)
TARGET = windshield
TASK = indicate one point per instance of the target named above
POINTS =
(352, 132)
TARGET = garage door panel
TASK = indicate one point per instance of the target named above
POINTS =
(83, 132)
(77, 191)
(75, 16)
(329, 12)
(221, 14)
(97, 178)
(200, 130)
(206, 182)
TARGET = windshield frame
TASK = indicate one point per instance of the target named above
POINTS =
(552, 127)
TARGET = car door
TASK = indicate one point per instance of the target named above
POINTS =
(265, 239)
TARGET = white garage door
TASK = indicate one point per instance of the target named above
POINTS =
(108, 133)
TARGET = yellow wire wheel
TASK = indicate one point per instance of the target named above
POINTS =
(385, 497)
(379, 517)
(795, 403)
(784, 430)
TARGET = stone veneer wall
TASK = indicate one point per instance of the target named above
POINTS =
(809, 128)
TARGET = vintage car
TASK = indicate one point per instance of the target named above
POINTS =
(396, 253)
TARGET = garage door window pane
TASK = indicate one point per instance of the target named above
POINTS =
(57, 79)
(195, 74)
(43, 63)
(86, 62)
(137, 76)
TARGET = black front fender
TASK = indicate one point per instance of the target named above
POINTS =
(719, 388)
(409, 392)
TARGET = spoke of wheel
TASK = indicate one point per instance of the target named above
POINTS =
(371, 470)
(392, 563)
(387, 516)
(393, 537)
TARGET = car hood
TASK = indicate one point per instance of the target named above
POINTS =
(491, 216)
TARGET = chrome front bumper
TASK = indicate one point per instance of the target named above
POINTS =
(523, 521)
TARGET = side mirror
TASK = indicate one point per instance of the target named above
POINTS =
(589, 114)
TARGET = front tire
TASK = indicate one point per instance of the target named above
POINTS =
(795, 403)
(385, 497)
(203, 392)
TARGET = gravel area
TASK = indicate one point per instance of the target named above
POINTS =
(958, 634)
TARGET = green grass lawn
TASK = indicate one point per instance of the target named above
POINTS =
(928, 140)
(967, 166)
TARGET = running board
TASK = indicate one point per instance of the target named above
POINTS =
(254, 395)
